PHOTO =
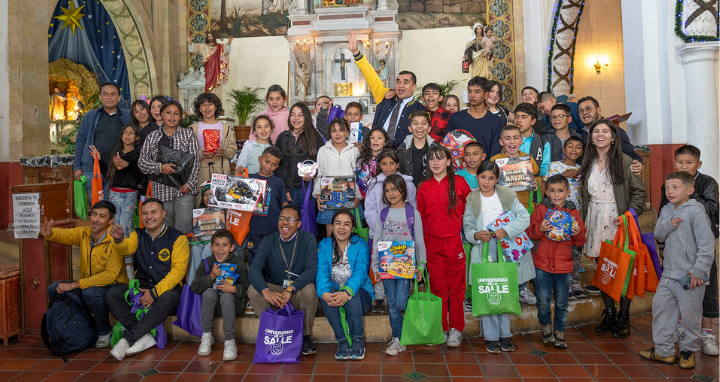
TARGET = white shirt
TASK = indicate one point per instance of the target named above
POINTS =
(491, 209)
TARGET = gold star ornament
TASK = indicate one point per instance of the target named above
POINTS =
(71, 17)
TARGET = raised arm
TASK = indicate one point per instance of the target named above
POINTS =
(377, 88)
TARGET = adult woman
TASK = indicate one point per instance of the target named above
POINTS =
(342, 281)
(142, 118)
(478, 51)
(156, 103)
(610, 190)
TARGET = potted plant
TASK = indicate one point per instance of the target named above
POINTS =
(244, 102)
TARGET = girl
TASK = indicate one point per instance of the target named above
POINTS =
(179, 202)
(373, 144)
(388, 164)
(484, 205)
(441, 202)
(298, 144)
(251, 151)
(220, 147)
(277, 111)
(342, 281)
(492, 100)
(142, 118)
(451, 103)
(610, 189)
(337, 157)
(156, 104)
(397, 227)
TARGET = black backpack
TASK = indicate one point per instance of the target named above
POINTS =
(67, 326)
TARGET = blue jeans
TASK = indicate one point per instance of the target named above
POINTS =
(496, 327)
(94, 299)
(397, 293)
(545, 285)
(125, 203)
(354, 310)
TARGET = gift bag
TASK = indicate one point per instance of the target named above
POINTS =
(513, 248)
(359, 230)
(423, 318)
(189, 311)
(561, 224)
(649, 240)
(613, 264)
(647, 279)
(96, 186)
(212, 140)
(494, 285)
(307, 217)
(238, 222)
(533, 200)
(148, 195)
(455, 142)
(80, 193)
(183, 162)
(280, 336)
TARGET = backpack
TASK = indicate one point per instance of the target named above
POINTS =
(67, 326)
(409, 216)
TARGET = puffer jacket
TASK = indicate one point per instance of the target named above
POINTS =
(334, 163)
(554, 256)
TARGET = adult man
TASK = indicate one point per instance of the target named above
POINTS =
(100, 127)
(160, 262)
(392, 114)
(290, 256)
(546, 101)
(483, 125)
(100, 267)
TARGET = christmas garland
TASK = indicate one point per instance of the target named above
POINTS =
(552, 46)
(690, 38)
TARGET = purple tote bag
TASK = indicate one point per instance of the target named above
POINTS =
(189, 313)
(649, 240)
(308, 211)
(280, 336)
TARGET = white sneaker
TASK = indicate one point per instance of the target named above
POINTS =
(709, 345)
(206, 342)
(527, 296)
(467, 305)
(103, 341)
(120, 349)
(454, 338)
(395, 348)
(249, 309)
(230, 352)
(144, 343)
(679, 334)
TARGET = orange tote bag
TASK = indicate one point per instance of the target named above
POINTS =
(612, 266)
(96, 186)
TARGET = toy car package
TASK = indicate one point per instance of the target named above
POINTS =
(337, 192)
(235, 192)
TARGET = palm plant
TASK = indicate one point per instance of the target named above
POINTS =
(445, 88)
(245, 102)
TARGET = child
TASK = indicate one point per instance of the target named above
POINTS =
(689, 250)
(484, 205)
(441, 202)
(414, 148)
(396, 227)
(156, 105)
(251, 151)
(277, 111)
(554, 259)
(142, 118)
(373, 143)
(336, 158)
(451, 103)
(473, 156)
(482, 125)
(570, 169)
(438, 115)
(492, 101)
(687, 159)
(526, 116)
(353, 113)
(221, 299)
(560, 118)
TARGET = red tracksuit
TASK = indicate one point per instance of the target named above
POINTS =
(443, 245)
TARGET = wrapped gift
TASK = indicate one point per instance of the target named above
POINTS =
(455, 141)
(212, 140)
(513, 248)
(562, 224)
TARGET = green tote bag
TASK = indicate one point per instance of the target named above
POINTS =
(423, 318)
(359, 230)
(494, 286)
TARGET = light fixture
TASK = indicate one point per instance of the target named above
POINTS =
(599, 67)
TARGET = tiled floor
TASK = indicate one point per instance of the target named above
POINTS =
(589, 357)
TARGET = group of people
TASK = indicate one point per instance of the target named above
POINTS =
(406, 189)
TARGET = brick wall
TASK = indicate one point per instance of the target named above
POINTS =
(442, 6)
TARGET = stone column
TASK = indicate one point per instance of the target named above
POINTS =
(698, 60)
(382, 5)
(320, 69)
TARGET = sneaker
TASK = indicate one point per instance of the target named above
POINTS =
(547, 334)
(206, 342)
(357, 350)
(343, 350)
(492, 347)
(687, 360)
(467, 304)
(652, 356)
(507, 344)
(571, 293)
(379, 306)
(454, 338)
(395, 348)
(709, 345)
(120, 349)
(103, 341)
(230, 351)
(308, 347)
(593, 290)
(527, 296)
(579, 292)
(560, 340)
(249, 309)
(679, 334)
(144, 343)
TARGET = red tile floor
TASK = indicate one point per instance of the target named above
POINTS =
(590, 357)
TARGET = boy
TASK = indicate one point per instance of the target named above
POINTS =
(687, 159)
(225, 299)
(473, 155)
(560, 117)
(689, 251)
(526, 115)
(412, 152)
(438, 116)
(570, 169)
(483, 125)
(547, 100)
(552, 259)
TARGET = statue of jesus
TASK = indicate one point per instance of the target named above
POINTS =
(216, 60)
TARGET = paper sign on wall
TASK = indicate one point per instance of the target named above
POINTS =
(26, 215)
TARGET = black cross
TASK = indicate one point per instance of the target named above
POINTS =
(342, 62)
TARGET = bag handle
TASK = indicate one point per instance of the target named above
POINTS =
(358, 222)
(426, 277)
(207, 268)
(486, 249)
(634, 232)
(96, 166)
(621, 235)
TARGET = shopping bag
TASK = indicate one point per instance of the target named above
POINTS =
(359, 230)
(423, 318)
(649, 240)
(96, 186)
(238, 222)
(148, 195)
(535, 197)
(280, 336)
(80, 193)
(494, 285)
(613, 264)
(647, 279)
(183, 162)
(132, 297)
(468, 275)
(189, 311)
(307, 217)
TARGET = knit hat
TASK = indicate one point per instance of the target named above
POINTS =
(204, 187)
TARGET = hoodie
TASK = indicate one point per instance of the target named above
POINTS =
(279, 119)
(406, 155)
(433, 202)
(333, 163)
(554, 256)
(691, 246)
(374, 198)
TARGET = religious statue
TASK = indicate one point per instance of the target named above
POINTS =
(479, 51)
(216, 61)
(57, 105)
(382, 72)
(301, 80)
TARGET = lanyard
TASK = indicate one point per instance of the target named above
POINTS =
(292, 257)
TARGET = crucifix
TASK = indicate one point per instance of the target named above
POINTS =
(342, 60)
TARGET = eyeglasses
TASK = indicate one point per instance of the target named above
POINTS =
(289, 219)
(586, 110)
(557, 117)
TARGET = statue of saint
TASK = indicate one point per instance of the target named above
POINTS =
(301, 80)
(479, 51)
(216, 61)
(382, 72)
(57, 105)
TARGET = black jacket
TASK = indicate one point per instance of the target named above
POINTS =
(292, 155)
(130, 176)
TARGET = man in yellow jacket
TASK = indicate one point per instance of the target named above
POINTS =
(100, 268)
(160, 262)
